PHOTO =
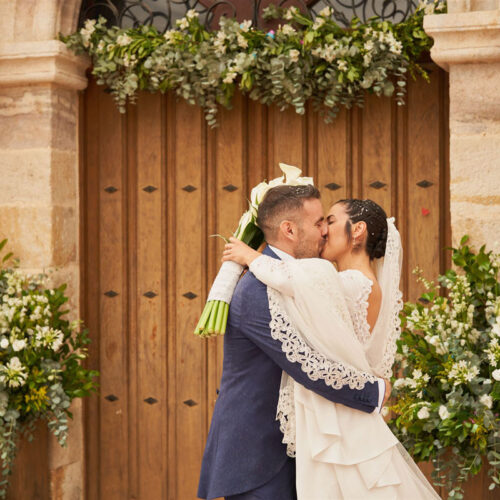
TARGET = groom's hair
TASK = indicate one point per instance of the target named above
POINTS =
(283, 203)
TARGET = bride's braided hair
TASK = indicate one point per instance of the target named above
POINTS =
(374, 217)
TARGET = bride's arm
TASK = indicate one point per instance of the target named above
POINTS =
(272, 272)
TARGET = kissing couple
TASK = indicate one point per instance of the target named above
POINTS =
(308, 354)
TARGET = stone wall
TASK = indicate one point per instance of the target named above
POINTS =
(467, 44)
(39, 202)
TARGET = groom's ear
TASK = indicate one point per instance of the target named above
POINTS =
(288, 229)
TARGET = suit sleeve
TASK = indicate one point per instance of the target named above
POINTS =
(256, 328)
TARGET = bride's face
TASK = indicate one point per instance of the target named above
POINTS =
(337, 243)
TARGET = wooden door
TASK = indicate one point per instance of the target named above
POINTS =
(156, 183)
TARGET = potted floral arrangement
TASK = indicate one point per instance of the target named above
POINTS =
(447, 402)
(41, 360)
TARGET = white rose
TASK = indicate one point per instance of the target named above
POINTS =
(4, 343)
(443, 412)
(423, 413)
(384, 411)
(17, 345)
(496, 374)
(486, 400)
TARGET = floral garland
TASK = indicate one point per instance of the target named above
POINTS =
(303, 59)
(447, 405)
(41, 356)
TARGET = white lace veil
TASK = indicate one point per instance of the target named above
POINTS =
(381, 347)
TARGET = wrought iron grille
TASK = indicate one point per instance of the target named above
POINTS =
(163, 13)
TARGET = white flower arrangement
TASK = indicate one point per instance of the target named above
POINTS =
(296, 63)
(41, 356)
(448, 400)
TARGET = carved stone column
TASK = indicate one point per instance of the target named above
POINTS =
(467, 44)
(39, 202)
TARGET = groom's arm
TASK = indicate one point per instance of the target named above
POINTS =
(256, 328)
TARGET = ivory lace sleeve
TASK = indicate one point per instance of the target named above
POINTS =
(275, 273)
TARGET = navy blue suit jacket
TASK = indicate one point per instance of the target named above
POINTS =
(244, 448)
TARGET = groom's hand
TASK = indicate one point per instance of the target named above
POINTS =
(388, 390)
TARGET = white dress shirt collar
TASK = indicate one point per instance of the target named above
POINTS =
(281, 253)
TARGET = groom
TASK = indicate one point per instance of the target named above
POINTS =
(244, 457)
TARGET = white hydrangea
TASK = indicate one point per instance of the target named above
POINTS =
(18, 344)
(342, 65)
(294, 55)
(486, 400)
(123, 40)
(289, 13)
(326, 12)
(230, 76)
(496, 374)
(182, 24)
(191, 14)
(242, 41)
(246, 25)
(87, 31)
(4, 343)
(288, 30)
(318, 22)
(423, 413)
(443, 412)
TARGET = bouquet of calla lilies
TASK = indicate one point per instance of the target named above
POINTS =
(213, 319)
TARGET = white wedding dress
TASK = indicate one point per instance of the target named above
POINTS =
(320, 316)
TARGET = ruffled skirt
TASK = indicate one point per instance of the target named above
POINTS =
(342, 453)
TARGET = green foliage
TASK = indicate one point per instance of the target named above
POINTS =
(303, 60)
(41, 356)
(448, 401)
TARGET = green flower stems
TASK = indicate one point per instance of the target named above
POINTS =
(213, 320)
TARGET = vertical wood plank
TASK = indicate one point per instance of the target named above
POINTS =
(333, 171)
(113, 343)
(190, 277)
(169, 285)
(151, 365)
(287, 140)
(91, 295)
(375, 152)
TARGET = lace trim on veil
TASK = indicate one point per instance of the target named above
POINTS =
(285, 414)
(313, 363)
(392, 257)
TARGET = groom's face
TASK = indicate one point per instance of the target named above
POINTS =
(312, 230)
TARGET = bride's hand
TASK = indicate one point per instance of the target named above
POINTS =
(239, 252)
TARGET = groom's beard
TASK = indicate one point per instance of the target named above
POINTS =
(309, 249)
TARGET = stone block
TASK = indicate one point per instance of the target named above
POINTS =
(41, 237)
(479, 221)
(38, 117)
(474, 92)
(475, 166)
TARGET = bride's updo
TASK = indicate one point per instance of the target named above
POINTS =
(374, 217)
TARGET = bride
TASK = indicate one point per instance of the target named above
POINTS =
(350, 314)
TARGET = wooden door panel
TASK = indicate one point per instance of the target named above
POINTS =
(177, 183)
